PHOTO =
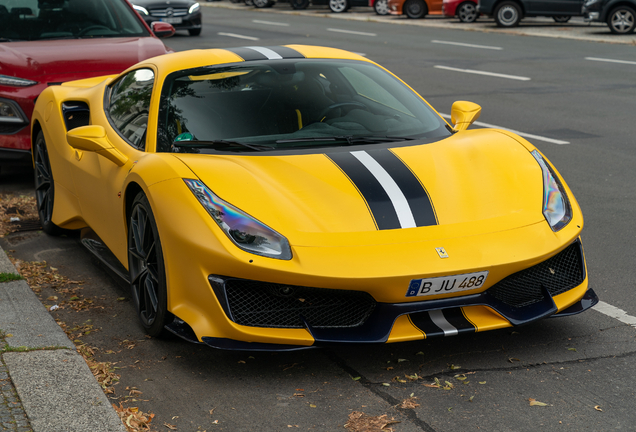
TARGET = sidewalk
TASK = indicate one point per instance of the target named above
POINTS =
(45, 385)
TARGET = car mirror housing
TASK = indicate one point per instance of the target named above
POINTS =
(93, 139)
(464, 113)
(162, 29)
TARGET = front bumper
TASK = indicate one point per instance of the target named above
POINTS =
(188, 22)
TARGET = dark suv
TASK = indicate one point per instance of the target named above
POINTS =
(620, 15)
(508, 13)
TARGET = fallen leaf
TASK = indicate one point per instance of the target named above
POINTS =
(513, 359)
(598, 408)
(355, 378)
(402, 360)
(534, 402)
(360, 422)
(169, 426)
(386, 384)
(453, 367)
(572, 349)
(409, 403)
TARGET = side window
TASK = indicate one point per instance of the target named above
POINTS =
(129, 105)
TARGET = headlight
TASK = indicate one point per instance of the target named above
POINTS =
(16, 82)
(10, 112)
(141, 10)
(195, 7)
(556, 206)
(246, 232)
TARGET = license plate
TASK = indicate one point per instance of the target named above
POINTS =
(172, 20)
(446, 284)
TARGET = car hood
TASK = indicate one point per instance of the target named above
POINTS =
(69, 59)
(476, 182)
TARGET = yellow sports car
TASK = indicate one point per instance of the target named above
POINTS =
(276, 198)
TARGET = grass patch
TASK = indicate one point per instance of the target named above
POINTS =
(8, 277)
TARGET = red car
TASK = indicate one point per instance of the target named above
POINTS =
(48, 42)
(465, 10)
(415, 8)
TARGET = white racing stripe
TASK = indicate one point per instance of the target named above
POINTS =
(238, 36)
(271, 55)
(523, 134)
(610, 60)
(351, 32)
(476, 72)
(437, 316)
(271, 23)
(467, 45)
(401, 205)
(614, 312)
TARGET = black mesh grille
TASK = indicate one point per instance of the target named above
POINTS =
(558, 274)
(11, 128)
(260, 304)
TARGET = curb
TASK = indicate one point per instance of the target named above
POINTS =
(55, 386)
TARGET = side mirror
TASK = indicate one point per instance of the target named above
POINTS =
(464, 113)
(93, 139)
(162, 29)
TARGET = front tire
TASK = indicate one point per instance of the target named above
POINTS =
(299, 4)
(467, 12)
(508, 14)
(381, 7)
(44, 186)
(415, 8)
(561, 19)
(622, 20)
(146, 269)
(338, 6)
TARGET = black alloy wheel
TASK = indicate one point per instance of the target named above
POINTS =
(146, 268)
(299, 4)
(415, 8)
(467, 12)
(44, 186)
(622, 20)
(561, 19)
(508, 14)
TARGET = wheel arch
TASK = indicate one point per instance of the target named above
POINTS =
(611, 5)
(132, 190)
(35, 131)
(517, 2)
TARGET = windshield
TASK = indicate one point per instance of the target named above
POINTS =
(284, 104)
(29, 20)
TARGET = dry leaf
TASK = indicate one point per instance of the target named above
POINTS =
(360, 422)
(169, 426)
(534, 402)
(598, 408)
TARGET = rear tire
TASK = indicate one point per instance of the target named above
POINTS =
(338, 6)
(299, 4)
(508, 14)
(146, 269)
(44, 187)
(415, 9)
(381, 7)
(561, 19)
(621, 20)
(467, 12)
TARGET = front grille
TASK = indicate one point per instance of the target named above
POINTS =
(11, 128)
(261, 304)
(163, 13)
(558, 274)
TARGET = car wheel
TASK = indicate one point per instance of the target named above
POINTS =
(338, 6)
(508, 14)
(622, 20)
(263, 3)
(249, 3)
(299, 4)
(415, 8)
(44, 186)
(561, 18)
(381, 7)
(194, 32)
(467, 12)
(146, 268)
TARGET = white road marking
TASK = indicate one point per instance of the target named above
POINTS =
(437, 316)
(271, 23)
(399, 201)
(476, 72)
(467, 45)
(523, 134)
(610, 60)
(351, 32)
(614, 312)
(234, 35)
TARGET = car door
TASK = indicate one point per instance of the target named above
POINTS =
(98, 180)
(554, 7)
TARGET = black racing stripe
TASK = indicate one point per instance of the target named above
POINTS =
(247, 54)
(412, 188)
(377, 200)
(456, 317)
(286, 52)
(423, 322)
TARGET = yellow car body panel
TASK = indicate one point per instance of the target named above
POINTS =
(485, 188)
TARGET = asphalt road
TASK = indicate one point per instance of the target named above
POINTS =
(578, 111)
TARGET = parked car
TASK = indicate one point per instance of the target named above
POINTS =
(508, 13)
(182, 14)
(287, 197)
(47, 42)
(339, 6)
(465, 10)
(620, 15)
(415, 8)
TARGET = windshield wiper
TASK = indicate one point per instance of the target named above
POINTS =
(349, 139)
(216, 143)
